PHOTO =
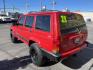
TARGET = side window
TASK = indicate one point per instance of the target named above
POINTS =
(43, 23)
(29, 21)
(21, 20)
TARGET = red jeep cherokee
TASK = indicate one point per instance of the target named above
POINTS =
(51, 34)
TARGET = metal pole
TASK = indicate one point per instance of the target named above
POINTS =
(13, 8)
(53, 4)
(41, 5)
(4, 6)
(27, 5)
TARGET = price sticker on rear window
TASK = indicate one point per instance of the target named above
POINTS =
(63, 19)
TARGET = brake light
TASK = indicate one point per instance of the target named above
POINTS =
(55, 50)
(56, 45)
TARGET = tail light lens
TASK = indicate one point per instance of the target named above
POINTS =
(55, 50)
(56, 45)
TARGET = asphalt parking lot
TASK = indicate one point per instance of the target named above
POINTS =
(16, 57)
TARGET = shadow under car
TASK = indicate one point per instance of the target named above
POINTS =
(82, 58)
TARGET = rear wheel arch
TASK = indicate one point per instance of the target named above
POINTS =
(31, 42)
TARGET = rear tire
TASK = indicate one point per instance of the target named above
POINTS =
(36, 55)
(75, 55)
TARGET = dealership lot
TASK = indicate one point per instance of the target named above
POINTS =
(16, 57)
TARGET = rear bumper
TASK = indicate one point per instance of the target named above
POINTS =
(73, 51)
(51, 56)
(59, 56)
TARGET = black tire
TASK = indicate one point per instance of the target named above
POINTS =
(13, 38)
(36, 55)
(75, 55)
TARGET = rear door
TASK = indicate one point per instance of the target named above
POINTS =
(73, 31)
(43, 31)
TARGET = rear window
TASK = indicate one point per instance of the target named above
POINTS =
(71, 23)
(71, 20)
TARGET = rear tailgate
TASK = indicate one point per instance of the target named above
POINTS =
(73, 31)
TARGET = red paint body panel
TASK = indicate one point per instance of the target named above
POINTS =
(53, 39)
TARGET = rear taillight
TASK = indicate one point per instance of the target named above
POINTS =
(55, 49)
(56, 45)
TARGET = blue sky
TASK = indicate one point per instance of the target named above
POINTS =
(34, 5)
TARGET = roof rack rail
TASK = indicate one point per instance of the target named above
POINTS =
(45, 11)
(32, 11)
(51, 10)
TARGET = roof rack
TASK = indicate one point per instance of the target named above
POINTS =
(50, 10)
(32, 11)
(45, 11)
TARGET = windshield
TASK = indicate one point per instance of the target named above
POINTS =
(72, 23)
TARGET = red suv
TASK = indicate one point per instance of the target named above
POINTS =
(51, 34)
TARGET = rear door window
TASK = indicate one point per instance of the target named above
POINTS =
(43, 23)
